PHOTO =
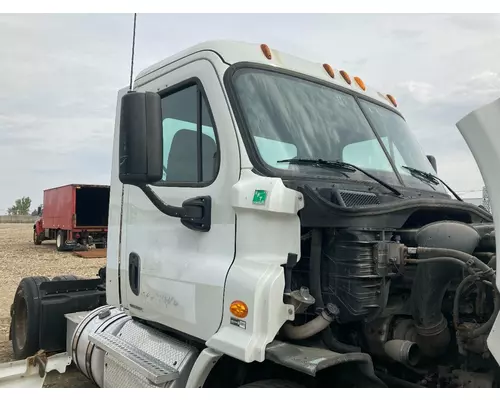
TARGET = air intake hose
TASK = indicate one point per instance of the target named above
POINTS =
(431, 281)
(436, 268)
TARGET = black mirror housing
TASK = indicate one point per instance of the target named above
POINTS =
(141, 139)
(433, 162)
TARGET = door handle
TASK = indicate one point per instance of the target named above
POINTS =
(134, 272)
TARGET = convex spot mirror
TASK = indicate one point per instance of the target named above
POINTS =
(433, 162)
(141, 139)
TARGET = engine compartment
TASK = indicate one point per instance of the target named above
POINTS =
(417, 294)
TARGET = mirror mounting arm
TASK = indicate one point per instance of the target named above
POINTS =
(194, 213)
(171, 211)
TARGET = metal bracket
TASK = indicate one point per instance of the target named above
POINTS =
(310, 360)
(31, 372)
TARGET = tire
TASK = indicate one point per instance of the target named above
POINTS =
(36, 238)
(65, 278)
(60, 240)
(272, 384)
(25, 324)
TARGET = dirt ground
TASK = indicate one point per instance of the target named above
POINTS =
(19, 258)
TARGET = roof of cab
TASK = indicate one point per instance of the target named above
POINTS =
(232, 52)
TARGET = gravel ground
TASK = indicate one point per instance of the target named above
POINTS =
(19, 258)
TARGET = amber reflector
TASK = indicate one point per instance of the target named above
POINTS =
(239, 309)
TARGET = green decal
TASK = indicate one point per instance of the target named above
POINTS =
(259, 197)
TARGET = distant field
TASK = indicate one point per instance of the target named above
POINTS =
(19, 258)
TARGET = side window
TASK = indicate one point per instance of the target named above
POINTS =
(189, 143)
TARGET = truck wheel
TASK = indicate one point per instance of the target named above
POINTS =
(272, 383)
(65, 278)
(61, 241)
(25, 324)
(36, 238)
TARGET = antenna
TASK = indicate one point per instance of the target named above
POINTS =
(133, 53)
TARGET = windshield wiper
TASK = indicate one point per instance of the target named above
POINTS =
(430, 178)
(337, 164)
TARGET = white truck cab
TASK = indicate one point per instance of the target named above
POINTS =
(277, 217)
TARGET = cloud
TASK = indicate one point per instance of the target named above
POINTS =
(476, 23)
(435, 108)
(410, 34)
(479, 88)
(422, 92)
(58, 77)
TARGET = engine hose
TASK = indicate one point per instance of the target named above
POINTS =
(487, 273)
(452, 260)
(431, 252)
(483, 329)
(309, 329)
(315, 282)
(432, 279)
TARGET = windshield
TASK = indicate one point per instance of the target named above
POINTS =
(290, 117)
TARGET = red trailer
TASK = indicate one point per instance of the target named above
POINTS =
(74, 215)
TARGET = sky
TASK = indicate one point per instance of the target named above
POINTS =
(60, 73)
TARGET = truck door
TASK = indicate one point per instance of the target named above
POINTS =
(170, 273)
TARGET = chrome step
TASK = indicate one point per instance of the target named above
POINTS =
(151, 368)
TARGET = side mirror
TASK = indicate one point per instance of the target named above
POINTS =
(141, 139)
(39, 211)
(433, 162)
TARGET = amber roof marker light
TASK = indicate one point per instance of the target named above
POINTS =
(346, 77)
(329, 70)
(266, 50)
(360, 82)
(392, 100)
